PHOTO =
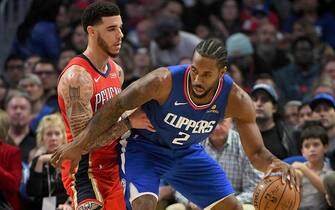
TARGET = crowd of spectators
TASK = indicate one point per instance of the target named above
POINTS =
(280, 51)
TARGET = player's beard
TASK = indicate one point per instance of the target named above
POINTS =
(104, 46)
(199, 96)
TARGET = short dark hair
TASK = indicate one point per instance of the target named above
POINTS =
(94, 12)
(213, 48)
(313, 129)
(12, 57)
(45, 61)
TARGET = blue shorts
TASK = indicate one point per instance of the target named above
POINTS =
(191, 171)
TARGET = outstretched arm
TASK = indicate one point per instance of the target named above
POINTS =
(134, 119)
(154, 86)
(241, 108)
(76, 88)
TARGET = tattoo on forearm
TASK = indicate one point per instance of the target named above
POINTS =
(116, 131)
(133, 96)
(79, 115)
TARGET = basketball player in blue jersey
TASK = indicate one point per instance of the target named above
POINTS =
(184, 103)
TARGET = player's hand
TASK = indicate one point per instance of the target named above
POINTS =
(289, 174)
(64, 207)
(299, 165)
(70, 151)
(45, 158)
(139, 120)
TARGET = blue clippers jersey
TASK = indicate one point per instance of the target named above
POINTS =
(179, 122)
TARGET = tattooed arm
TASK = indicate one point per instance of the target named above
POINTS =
(241, 108)
(154, 86)
(76, 88)
(133, 119)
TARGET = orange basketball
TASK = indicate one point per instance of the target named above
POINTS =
(271, 194)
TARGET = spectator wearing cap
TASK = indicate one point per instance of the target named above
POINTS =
(32, 85)
(276, 135)
(240, 52)
(296, 80)
(323, 107)
(170, 43)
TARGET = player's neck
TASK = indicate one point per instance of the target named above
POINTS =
(97, 57)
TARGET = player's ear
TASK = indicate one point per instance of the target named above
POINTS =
(223, 70)
(90, 30)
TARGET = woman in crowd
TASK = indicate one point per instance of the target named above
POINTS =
(45, 181)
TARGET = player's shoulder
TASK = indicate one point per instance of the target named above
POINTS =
(76, 74)
(240, 104)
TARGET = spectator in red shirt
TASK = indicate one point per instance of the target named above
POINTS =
(10, 167)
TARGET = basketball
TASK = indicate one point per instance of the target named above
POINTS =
(272, 194)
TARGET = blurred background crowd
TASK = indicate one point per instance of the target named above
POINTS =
(280, 51)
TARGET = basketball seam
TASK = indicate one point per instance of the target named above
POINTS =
(295, 197)
(281, 196)
(264, 190)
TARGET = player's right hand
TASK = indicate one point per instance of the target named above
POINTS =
(70, 151)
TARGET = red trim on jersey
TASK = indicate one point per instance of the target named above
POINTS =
(187, 92)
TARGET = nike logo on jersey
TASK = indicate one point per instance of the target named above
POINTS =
(97, 79)
(176, 103)
(113, 75)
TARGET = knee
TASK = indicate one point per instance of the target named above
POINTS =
(238, 205)
(144, 202)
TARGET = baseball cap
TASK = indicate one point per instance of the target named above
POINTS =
(239, 44)
(322, 97)
(268, 89)
(260, 9)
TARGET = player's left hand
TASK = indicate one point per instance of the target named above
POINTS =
(71, 151)
(289, 174)
(64, 207)
(139, 119)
